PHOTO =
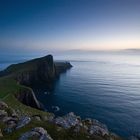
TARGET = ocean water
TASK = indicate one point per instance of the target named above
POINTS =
(102, 86)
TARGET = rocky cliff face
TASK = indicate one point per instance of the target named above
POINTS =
(27, 97)
(36, 71)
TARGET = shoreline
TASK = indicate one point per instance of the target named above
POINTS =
(26, 96)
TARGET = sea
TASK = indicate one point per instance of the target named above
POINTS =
(100, 85)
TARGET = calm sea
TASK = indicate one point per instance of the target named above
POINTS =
(103, 86)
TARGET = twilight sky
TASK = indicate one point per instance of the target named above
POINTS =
(69, 24)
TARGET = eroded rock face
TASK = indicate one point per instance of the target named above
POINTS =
(27, 97)
(43, 70)
(38, 133)
(36, 71)
(46, 69)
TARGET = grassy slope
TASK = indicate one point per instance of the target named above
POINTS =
(8, 87)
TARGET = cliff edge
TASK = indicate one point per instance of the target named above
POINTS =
(42, 69)
(39, 70)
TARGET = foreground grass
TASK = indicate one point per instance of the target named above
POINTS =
(8, 88)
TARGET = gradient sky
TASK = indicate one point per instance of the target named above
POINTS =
(69, 24)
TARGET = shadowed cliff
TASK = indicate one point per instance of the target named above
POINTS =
(42, 69)
(36, 71)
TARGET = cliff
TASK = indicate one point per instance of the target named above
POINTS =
(27, 97)
(36, 71)
(42, 69)
(20, 114)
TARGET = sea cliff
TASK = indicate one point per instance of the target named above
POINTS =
(42, 69)
(21, 114)
(36, 71)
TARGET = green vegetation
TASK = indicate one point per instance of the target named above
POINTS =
(8, 88)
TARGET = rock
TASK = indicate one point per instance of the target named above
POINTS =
(97, 130)
(27, 97)
(12, 124)
(55, 108)
(23, 121)
(79, 127)
(8, 119)
(14, 114)
(67, 121)
(36, 71)
(3, 114)
(37, 132)
(3, 105)
(28, 135)
(8, 130)
(88, 121)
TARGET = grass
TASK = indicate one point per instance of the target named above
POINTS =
(8, 88)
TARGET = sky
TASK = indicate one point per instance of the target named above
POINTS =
(39, 25)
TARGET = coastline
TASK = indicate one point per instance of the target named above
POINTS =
(16, 75)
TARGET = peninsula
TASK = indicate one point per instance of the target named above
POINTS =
(21, 114)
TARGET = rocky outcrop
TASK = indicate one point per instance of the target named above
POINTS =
(38, 70)
(69, 125)
(27, 97)
(68, 121)
(37, 133)
(23, 121)
(93, 127)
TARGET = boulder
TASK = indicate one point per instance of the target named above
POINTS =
(8, 119)
(67, 121)
(37, 132)
(97, 130)
(23, 121)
